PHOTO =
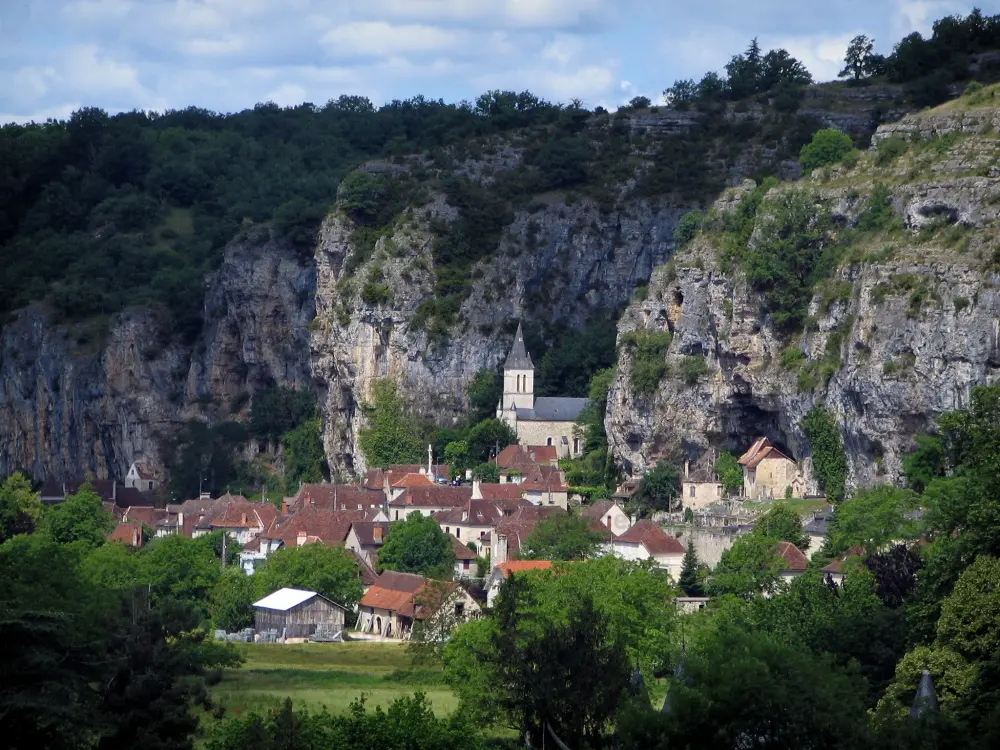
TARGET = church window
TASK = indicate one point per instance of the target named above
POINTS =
(549, 441)
(576, 445)
(692, 490)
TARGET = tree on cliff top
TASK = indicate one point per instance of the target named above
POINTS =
(390, 437)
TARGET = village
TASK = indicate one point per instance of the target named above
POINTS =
(489, 524)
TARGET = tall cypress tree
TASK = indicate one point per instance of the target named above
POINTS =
(689, 582)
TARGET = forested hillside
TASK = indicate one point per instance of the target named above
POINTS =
(195, 241)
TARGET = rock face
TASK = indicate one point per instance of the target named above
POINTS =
(74, 403)
(895, 338)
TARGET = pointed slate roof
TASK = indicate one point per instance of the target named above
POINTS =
(518, 358)
(925, 701)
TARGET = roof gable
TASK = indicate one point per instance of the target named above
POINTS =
(793, 557)
(651, 536)
(518, 358)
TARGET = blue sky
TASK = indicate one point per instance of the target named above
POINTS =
(225, 55)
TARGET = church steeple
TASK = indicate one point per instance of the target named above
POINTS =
(518, 381)
(518, 358)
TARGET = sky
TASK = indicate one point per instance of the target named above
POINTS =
(226, 55)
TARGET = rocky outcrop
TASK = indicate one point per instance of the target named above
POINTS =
(89, 400)
(897, 337)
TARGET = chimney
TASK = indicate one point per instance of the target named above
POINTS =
(301, 537)
(468, 475)
(687, 472)
(465, 514)
(477, 490)
(244, 519)
(377, 533)
(284, 507)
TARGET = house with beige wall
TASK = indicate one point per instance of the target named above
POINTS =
(700, 488)
(546, 421)
(768, 473)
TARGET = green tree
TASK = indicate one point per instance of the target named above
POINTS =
(734, 685)
(456, 455)
(828, 146)
(329, 571)
(829, 459)
(485, 391)
(729, 472)
(659, 489)
(487, 438)
(970, 617)
(858, 59)
(748, 568)
(781, 523)
(113, 567)
(362, 195)
(953, 678)
(567, 674)
(79, 518)
(275, 411)
(231, 602)
(418, 545)
(873, 519)
(564, 537)
(304, 458)
(182, 569)
(20, 507)
(928, 461)
(689, 580)
(390, 436)
(486, 472)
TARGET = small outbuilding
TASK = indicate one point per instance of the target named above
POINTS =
(295, 613)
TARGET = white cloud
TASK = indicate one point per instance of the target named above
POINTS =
(919, 15)
(93, 11)
(378, 39)
(563, 49)
(287, 95)
(207, 47)
(529, 14)
(823, 55)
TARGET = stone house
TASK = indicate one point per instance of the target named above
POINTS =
(646, 540)
(504, 570)
(128, 533)
(397, 601)
(546, 486)
(140, 478)
(512, 531)
(768, 473)
(241, 519)
(700, 488)
(465, 561)
(296, 613)
(366, 538)
(545, 421)
(382, 480)
(472, 522)
(609, 514)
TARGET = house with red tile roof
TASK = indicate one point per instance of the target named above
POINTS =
(504, 570)
(382, 480)
(523, 458)
(397, 601)
(427, 500)
(488, 491)
(546, 486)
(128, 533)
(329, 496)
(768, 473)
(465, 561)
(646, 540)
(240, 518)
(473, 522)
(793, 561)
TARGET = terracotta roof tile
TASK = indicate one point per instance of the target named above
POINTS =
(461, 551)
(331, 526)
(524, 457)
(378, 597)
(409, 582)
(520, 566)
(144, 514)
(412, 480)
(336, 497)
(368, 575)
(506, 491)
(545, 479)
(127, 532)
(794, 559)
(762, 448)
(437, 496)
(651, 536)
(365, 531)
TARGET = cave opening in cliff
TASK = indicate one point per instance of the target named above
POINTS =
(744, 421)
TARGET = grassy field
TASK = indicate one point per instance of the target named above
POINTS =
(327, 675)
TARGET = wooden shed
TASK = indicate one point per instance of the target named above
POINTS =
(296, 613)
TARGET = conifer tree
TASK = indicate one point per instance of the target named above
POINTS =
(689, 582)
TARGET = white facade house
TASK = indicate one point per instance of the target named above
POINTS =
(140, 478)
(647, 541)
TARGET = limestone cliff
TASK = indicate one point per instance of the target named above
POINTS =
(90, 400)
(900, 332)
(93, 398)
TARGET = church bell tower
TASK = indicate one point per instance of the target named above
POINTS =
(518, 381)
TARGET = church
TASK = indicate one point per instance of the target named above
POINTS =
(537, 421)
